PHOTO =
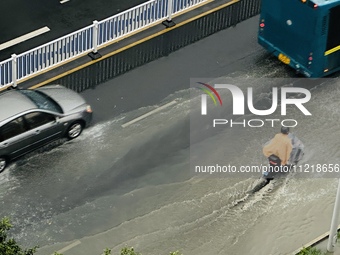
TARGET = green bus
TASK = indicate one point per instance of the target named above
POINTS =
(303, 34)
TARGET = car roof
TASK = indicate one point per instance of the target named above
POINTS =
(12, 103)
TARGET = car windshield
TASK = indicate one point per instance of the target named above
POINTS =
(42, 101)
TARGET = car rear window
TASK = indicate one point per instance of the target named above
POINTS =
(42, 101)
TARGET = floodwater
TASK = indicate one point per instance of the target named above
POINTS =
(135, 183)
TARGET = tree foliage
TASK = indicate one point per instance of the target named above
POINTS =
(8, 246)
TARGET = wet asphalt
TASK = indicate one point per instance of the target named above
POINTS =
(83, 171)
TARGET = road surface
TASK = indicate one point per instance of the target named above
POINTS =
(20, 17)
(134, 183)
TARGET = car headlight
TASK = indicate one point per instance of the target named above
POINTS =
(88, 109)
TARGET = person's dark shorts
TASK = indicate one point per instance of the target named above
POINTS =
(274, 167)
(274, 160)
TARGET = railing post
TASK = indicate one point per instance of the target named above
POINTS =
(95, 54)
(14, 70)
(95, 36)
(168, 22)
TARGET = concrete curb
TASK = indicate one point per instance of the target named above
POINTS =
(314, 242)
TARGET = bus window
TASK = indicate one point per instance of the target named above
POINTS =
(333, 39)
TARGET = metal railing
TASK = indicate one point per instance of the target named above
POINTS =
(88, 39)
(220, 18)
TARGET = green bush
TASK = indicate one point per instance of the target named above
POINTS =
(128, 251)
(310, 251)
(9, 246)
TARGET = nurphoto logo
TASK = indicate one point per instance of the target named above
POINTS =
(239, 104)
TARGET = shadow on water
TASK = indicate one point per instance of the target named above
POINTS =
(145, 159)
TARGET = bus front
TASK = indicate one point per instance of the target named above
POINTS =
(290, 30)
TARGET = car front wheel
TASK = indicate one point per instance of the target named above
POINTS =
(3, 164)
(74, 130)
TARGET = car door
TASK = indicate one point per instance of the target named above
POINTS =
(45, 126)
(15, 138)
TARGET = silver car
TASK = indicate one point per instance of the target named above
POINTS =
(32, 118)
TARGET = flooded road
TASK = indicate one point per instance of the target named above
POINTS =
(135, 184)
